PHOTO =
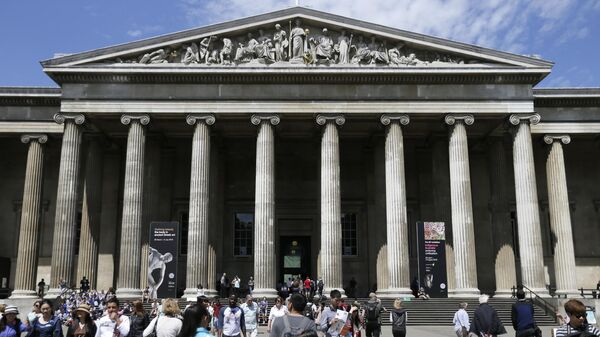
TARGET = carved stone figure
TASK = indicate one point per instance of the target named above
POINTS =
(395, 54)
(157, 56)
(225, 54)
(203, 50)
(281, 43)
(297, 37)
(323, 46)
(343, 48)
(378, 52)
(363, 54)
(247, 52)
(191, 54)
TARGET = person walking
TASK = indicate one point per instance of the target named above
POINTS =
(139, 320)
(250, 309)
(82, 324)
(231, 320)
(112, 324)
(328, 323)
(10, 325)
(577, 324)
(46, 325)
(485, 320)
(461, 321)
(167, 324)
(294, 323)
(277, 310)
(41, 288)
(373, 310)
(195, 322)
(398, 319)
(522, 316)
(251, 285)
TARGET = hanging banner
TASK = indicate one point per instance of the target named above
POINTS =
(431, 238)
(162, 259)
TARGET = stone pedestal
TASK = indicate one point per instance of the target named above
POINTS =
(131, 225)
(197, 255)
(560, 216)
(27, 254)
(65, 221)
(331, 222)
(264, 207)
(462, 207)
(395, 192)
(528, 216)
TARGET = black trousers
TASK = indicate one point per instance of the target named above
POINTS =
(399, 333)
(373, 330)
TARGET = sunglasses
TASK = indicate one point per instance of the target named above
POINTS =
(579, 315)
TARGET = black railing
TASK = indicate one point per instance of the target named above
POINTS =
(549, 309)
(589, 293)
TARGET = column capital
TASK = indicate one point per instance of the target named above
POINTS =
(388, 118)
(62, 118)
(40, 138)
(338, 119)
(549, 139)
(452, 118)
(143, 119)
(516, 119)
(193, 119)
(257, 119)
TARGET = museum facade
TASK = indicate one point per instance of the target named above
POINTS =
(300, 143)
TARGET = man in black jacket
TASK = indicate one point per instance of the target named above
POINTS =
(521, 316)
(485, 320)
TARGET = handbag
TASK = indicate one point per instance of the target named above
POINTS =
(464, 331)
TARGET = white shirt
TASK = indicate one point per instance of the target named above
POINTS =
(461, 318)
(274, 313)
(106, 326)
(250, 315)
(166, 326)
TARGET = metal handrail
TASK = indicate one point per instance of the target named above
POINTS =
(593, 292)
(534, 297)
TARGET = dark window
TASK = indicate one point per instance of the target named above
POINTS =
(349, 235)
(183, 236)
(242, 234)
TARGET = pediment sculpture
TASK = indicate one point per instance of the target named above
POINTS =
(297, 46)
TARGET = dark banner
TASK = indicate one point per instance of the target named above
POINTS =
(431, 237)
(162, 259)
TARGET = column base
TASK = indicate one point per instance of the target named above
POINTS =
(395, 293)
(465, 292)
(264, 292)
(53, 293)
(566, 293)
(503, 293)
(129, 293)
(327, 290)
(23, 294)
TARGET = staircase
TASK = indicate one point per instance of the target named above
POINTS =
(438, 311)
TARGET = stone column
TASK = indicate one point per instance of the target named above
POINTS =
(528, 216)
(65, 221)
(504, 263)
(395, 199)
(331, 214)
(197, 255)
(87, 261)
(560, 216)
(27, 255)
(462, 207)
(264, 207)
(131, 225)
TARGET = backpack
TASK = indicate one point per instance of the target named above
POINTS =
(320, 284)
(308, 312)
(290, 331)
(372, 313)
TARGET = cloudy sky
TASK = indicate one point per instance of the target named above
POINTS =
(566, 32)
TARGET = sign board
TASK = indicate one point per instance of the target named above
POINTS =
(431, 239)
(162, 259)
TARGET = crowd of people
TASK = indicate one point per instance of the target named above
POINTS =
(100, 314)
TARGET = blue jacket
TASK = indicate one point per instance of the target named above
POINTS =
(522, 316)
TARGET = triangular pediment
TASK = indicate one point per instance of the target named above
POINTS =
(295, 37)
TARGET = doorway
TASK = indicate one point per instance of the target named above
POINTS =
(294, 253)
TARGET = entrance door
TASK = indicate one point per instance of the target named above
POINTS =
(294, 257)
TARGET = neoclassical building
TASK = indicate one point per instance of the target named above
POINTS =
(300, 142)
